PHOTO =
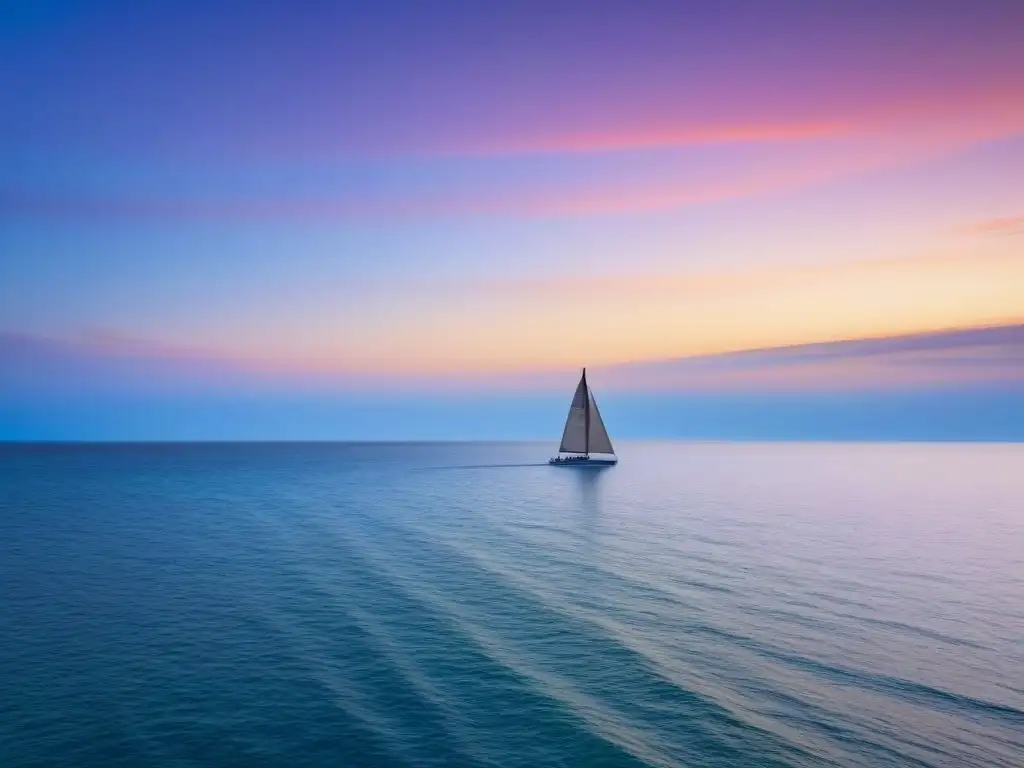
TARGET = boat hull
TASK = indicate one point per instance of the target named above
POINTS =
(581, 461)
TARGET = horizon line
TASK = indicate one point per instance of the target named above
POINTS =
(511, 441)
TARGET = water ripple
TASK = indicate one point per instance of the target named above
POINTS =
(316, 605)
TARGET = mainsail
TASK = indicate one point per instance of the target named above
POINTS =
(584, 430)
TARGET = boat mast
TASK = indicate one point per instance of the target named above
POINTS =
(586, 415)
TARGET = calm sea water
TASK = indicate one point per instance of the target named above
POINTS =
(467, 605)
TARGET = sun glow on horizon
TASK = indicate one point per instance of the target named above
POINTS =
(479, 327)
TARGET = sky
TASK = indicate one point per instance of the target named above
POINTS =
(406, 220)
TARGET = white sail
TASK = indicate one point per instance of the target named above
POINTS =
(598, 440)
(574, 436)
(584, 429)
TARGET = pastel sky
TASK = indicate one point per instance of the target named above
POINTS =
(452, 196)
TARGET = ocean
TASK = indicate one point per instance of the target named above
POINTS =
(700, 604)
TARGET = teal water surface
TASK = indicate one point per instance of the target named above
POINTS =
(468, 605)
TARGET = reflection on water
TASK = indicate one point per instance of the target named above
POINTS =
(588, 482)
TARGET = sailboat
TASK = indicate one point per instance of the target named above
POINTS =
(584, 432)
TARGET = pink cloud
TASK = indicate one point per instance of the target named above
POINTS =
(646, 137)
(1007, 225)
(796, 155)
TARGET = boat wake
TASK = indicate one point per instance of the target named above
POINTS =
(482, 466)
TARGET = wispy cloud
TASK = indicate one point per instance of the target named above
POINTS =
(985, 114)
(991, 356)
(1007, 225)
(577, 173)
(647, 137)
(476, 328)
(106, 361)
(601, 197)
(962, 357)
